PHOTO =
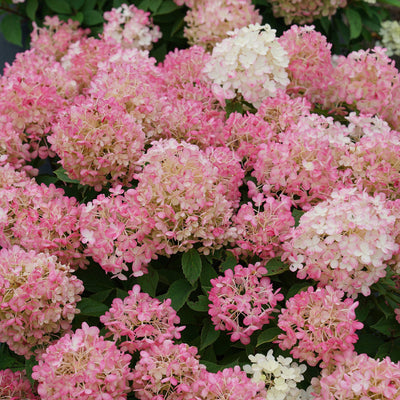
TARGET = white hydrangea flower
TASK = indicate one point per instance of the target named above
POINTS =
(280, 376)
(390, 32)
(250, 62)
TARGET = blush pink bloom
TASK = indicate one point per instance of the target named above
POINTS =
(209, 21)
(15, 386)
(167, 371)
(358, 376)
(318, 324)
(38, 297)
(345, 241)
(98, 142)
(39, 217)
(138, 321)
(242, 301)
(83, 366)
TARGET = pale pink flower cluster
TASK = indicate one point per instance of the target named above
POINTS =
(38, 297)
(83, 365)
(397, 314)
(250, 63)
(209, 21)
(54, 39)
(39, 217)
(188, 197)
(279, 375)
(345, 241)
(115, 231)
(131, 27)
(310, 67)
(98, 142)
(15, 386)
(10, 177)
(368, 81)
(261, 232)
(318, 324)
(302, 12)
(168, 371)
(138, 321)
(242, 301)
(357, 376)
(303, 163)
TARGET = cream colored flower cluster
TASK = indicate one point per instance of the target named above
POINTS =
(390, 32)
(251, 62)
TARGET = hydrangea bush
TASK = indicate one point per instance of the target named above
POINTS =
(199, 202)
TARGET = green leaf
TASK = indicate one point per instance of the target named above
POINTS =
(389, 348)
(145, 5)
(9, 360)
(296, 213)
(201, 305)
(148, 282)
(92, 17)
(208, 335)
(31, 8)
(362, 312)
(101, 296)
(179, 292)
(229, 262)
(95, 279)
(91, 308)
(325, 23)
(154, 5)
(296, 288)
(391, 2)
(121, 293)
(77, 4)
(213, 367)
(385, 325)
(59, 6)
(355, 22)
(11, 28)
(29, 364)
(275, 266)
(166, 7)
(191, 265)
(268, 335)
(63, 176)
(207, 273)
(89, 5)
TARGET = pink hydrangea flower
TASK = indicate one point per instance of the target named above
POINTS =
(318, 324)
(10, 177)
(262, 231)
(115, 231)
(139, 320)
(209, 21)
(232, 384)
(130, 26)
(345, 241)
(98, 142)
(39, 217)
(310, 65)
(54, 39)
(38, 297)
(83, 366)
(168, 371)
(358, 376)
(15, 386)
(302, 12)
(242, 301)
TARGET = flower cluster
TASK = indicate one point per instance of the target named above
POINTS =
(209, 21)
(310, 66)
(358, 376)
(130, 26)
(168, 371)
(38, 298)
(15, 386)
(345, 242)
(262, 232)
(279, 375)
(41, 218)
(242, 301)
(98, 142)
(301, 12)
(318, 324)
(83, 366)
(390, 37)
(139, 320)
(251, 63)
